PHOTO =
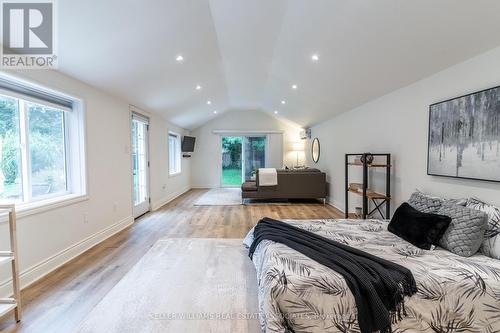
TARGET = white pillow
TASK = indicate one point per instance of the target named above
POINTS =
(491, 243)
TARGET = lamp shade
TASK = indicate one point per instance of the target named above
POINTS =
(298, 146)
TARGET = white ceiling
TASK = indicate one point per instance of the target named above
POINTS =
(246, 54)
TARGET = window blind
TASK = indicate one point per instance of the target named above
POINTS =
(36, 93)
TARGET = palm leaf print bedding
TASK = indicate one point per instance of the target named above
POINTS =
(297, 294)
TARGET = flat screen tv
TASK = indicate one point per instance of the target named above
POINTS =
(188, 144)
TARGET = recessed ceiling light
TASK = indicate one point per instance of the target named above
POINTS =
(179, 58)
(209, 102)
(283, 102)
(315, 57)
(215, 111)
(275, 111)
(294, 86)
(198, 87)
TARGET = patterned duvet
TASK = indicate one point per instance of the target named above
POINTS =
(296, 294)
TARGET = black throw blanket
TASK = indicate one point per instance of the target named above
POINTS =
(378, 286)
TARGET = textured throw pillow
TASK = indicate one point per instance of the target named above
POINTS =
(491, 243)
(418, 228)
(465, 234)
(425, 203)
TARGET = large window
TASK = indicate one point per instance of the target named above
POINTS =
(36, 158)
(174, 153)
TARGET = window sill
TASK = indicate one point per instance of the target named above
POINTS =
(32, 208)
(170, 175)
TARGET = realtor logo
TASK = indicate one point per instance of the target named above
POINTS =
(28, 34)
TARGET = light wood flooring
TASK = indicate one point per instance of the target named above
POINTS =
(62, 299)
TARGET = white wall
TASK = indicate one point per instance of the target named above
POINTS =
(205, 170)
(164, 187)
(397, 123)
(48, 239)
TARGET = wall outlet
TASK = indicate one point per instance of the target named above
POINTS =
(85, 218)
(115, 206)
(164, 187)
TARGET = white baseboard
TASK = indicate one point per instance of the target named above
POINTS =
(162, 202)
(204, 186)
(36, 272)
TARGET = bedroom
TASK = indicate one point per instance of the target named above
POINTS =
(123, 226)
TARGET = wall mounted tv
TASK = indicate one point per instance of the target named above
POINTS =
(188, 144)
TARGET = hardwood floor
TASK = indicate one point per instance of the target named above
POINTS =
(62, 299)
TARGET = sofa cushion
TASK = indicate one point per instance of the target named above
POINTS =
(249, 186)
(465, 234)
(491, 243)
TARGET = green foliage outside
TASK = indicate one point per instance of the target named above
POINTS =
(232, 146)
(231, 177)
(46, 142)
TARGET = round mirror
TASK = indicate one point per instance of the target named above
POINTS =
(315, 150)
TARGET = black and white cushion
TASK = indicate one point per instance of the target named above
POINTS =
(491, 242)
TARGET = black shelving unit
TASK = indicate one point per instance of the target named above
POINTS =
(379, 200)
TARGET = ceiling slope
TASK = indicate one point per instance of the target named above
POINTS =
(248, 54)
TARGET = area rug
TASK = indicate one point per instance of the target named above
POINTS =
(182, 285)
(220, 197)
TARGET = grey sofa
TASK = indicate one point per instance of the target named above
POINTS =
(292, 184)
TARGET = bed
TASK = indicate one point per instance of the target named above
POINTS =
(297, 294)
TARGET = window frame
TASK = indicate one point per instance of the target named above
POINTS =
(178, 154)
(75, 154)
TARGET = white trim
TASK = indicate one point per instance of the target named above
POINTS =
(135, 109)
(145, 206)
(75, 153)
(162, 202)
(38, 271)
(36, 207)
(246, 132)
(176, 174)
(178, 152)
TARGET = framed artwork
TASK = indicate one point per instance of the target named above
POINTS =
(464, 137)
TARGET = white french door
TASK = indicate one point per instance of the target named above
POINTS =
(140, 164)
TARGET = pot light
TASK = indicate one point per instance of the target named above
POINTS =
(283, 102)
(294, 86)
(275, 111)
(179, 58)
(209, 102)
(315, 57)
(215, 111)
(198, 87)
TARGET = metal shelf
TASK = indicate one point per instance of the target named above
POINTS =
(379, 200)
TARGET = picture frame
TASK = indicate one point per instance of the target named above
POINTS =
(464, 137)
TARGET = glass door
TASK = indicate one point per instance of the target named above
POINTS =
(140, 164)
(254, 155)
(241, 157)
(232, 166)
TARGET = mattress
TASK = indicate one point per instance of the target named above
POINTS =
(297, 294)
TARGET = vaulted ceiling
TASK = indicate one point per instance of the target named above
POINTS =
(247, 54)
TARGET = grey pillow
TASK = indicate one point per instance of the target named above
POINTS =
(491, 243)
(465, 234)
(425, 203)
